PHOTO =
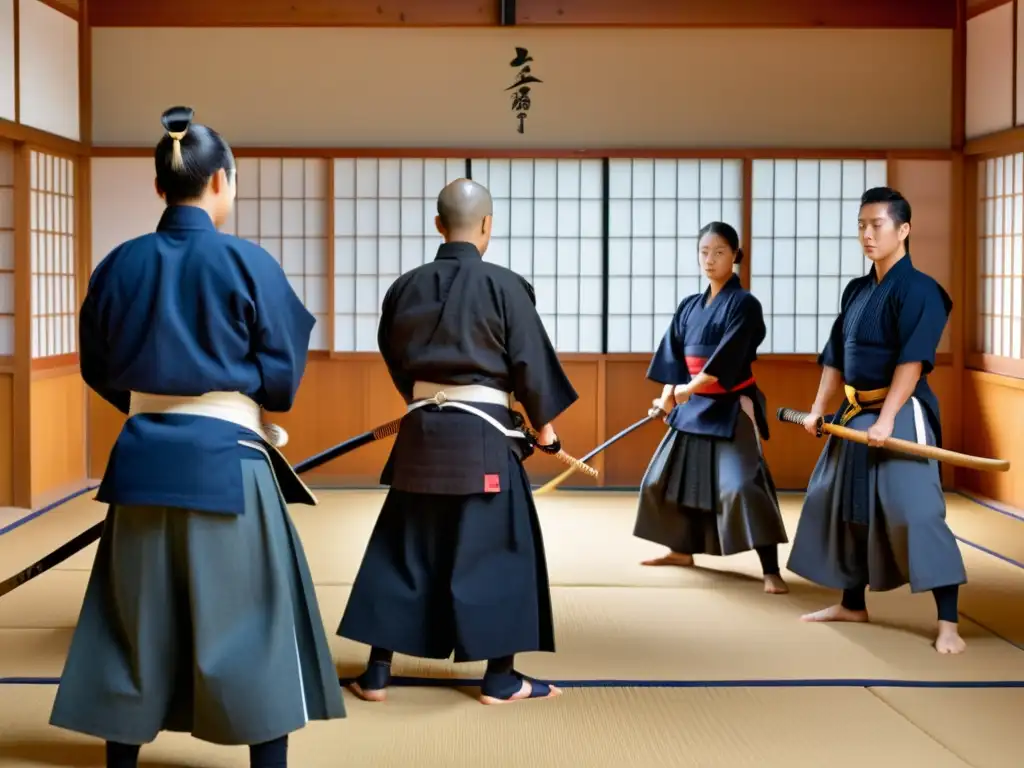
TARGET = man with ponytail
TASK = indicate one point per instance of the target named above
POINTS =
(200, 614)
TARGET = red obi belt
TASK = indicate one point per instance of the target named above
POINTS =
(696, 364)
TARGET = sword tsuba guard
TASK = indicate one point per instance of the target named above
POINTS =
(817, 426)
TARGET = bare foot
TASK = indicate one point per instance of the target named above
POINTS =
(774, 585)
(835, 613)
(672, 558)
(949, 640)
(523, 693)
(380, 695)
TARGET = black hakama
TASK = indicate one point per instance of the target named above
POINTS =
(455, 563)
(708, 489)
(703, 495)
(454, 574)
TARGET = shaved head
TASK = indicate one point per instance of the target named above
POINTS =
(463, 205)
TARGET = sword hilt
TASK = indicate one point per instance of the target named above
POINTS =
(794, 416)
(553, 449)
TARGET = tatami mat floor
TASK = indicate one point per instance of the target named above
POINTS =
(773, 691)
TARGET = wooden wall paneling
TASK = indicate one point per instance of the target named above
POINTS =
(748, 220)
(679, 153)
(959, 216)
(22, 382)
(84, 75)
(739, 13)
(330, 229)
(700, 13)
(350, 394)
(6, 436)
(294, 13)
(992, 405)
(24, 133)
(17, 65)
(58, 429)
(8, 317)
(958, 77)
(1015, 61)
(57, 394)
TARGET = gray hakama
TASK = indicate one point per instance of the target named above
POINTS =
(708, 495)
(200, 623)
(876, 517)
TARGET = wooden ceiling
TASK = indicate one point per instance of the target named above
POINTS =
(693, 13)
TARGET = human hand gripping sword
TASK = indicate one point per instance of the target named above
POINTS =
(953, 458)
(652, 414)
(554, 449)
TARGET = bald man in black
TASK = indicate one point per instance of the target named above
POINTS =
(455, 563)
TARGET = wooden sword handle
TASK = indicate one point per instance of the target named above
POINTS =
(952, 458)
(576, 464)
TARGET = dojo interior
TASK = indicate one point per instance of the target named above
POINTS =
(648, 120)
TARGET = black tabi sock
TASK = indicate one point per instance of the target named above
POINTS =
(269, 754)
(946, 599)
(122, 755)
(381, 655)
(854, 600)
(501, 666)
(769, 559)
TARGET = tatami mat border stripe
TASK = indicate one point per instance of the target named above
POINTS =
(451, 682)
(43, 510)
(995, 507)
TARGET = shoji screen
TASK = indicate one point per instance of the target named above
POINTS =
(384, 211)
(804, 246)
(52, 237)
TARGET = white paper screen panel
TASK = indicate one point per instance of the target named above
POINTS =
(548, 226)
(384, 211)
(6, 249)
(7, 60)
(990, 72)
(1001, 256)
(655, 211)
(48, 69)
(52, 238)
(282, 205)
(124, 203)
(804, 245)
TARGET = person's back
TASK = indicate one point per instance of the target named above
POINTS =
(182, 312)
(456, 560)
(463, 321)
(200, 595)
